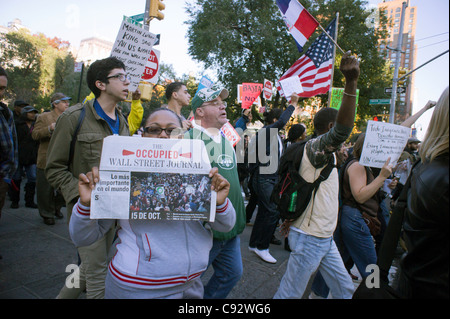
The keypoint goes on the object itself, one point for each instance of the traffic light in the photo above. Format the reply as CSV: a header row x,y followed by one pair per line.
x,y
156,6
378,118
401,73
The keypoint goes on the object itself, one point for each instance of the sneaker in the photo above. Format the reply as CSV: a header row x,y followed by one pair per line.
x,y
265,255
14,205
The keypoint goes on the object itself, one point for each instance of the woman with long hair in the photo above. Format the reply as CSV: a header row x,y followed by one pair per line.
x,y
424,270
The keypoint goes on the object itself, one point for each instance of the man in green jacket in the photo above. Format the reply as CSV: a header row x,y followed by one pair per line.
x,y
225,256
109,82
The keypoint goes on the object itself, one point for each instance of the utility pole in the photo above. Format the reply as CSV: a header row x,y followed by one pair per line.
x,y
397,65
147,15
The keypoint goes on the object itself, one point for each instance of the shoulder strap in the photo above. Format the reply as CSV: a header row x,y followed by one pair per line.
x,y
392,233
75,134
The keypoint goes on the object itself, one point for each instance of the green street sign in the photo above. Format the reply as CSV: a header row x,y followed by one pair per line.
x,y
379,101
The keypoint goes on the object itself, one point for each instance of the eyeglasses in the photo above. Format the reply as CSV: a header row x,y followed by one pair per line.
x,y
156,130
216,104
122,77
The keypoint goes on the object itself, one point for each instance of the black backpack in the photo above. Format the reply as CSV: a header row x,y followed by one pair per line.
x,y
292,193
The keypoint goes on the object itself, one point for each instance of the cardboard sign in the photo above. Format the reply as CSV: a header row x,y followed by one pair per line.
x,y
383,140
133,47
250,92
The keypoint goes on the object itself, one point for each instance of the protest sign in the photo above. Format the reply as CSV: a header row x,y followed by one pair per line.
x,y
268,89
336,97
133,46
383,140
230,134
205,82
250,92
240,94
291,86
153,179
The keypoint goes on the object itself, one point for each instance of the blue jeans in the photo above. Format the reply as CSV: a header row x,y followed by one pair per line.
x,y
267,218
354,241
310,253
225,257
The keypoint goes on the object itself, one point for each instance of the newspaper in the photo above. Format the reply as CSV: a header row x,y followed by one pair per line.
x,y
153,179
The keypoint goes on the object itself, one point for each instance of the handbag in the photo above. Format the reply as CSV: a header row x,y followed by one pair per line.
x,y
387,251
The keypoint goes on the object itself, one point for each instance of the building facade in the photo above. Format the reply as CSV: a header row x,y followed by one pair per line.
x,y
408,53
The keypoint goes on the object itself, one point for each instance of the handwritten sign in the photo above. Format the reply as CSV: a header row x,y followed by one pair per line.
x,y
250,92
336,97
133,47
383,140
291,86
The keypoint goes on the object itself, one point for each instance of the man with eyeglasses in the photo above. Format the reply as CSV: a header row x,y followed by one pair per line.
x,y
225,256
109,82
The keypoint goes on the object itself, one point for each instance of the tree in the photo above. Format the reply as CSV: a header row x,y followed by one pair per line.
x,y
38,67
247,41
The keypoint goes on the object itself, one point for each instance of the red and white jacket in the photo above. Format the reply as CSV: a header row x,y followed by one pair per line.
x,y
154,254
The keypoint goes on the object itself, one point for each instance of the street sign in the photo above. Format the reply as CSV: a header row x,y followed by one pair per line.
x,y
379,101
268,86
138,17
151,72
400,90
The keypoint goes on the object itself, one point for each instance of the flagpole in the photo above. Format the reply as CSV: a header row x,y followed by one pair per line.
x,y
334,58
331,38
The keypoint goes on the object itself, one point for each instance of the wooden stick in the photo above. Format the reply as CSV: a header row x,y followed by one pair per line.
x,y
331,38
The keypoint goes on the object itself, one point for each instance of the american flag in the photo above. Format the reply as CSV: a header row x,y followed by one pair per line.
x,y
315,66
300,23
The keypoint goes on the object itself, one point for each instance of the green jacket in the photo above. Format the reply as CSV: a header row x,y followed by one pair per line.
x,y
87,151
222,156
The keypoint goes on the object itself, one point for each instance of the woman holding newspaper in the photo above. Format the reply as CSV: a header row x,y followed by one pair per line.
x,y
158,258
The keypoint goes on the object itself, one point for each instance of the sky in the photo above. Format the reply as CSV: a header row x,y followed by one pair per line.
x,y
76,20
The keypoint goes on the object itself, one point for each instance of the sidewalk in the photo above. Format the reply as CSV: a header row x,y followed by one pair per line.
x,y
35,257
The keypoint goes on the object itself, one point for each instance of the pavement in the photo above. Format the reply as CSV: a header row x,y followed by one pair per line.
x,y
35,257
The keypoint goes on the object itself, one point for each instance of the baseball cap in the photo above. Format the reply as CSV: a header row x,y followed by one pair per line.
x,y
206,95
20,103
58,97
28,109
414,140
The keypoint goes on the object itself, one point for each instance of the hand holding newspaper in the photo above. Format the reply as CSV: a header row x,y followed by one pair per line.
x,y
153,179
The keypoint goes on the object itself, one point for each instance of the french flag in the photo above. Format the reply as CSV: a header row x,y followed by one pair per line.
x,y
300,23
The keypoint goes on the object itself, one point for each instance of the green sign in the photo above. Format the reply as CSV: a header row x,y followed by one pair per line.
x,y
336,98
379,101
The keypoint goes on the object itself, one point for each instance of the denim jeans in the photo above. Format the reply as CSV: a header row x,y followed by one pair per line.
x,y
309,254
267,218
225,257
354,241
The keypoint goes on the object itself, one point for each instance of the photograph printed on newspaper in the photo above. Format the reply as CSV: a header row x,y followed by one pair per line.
x,y
153,179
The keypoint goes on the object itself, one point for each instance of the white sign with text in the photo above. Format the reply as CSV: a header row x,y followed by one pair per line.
x,y
383,140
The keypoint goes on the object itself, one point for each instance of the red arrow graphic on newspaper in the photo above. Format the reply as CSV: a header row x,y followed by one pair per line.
x,y
187,155
126,152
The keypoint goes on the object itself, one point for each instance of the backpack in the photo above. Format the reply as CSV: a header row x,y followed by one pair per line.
x,y
292,193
